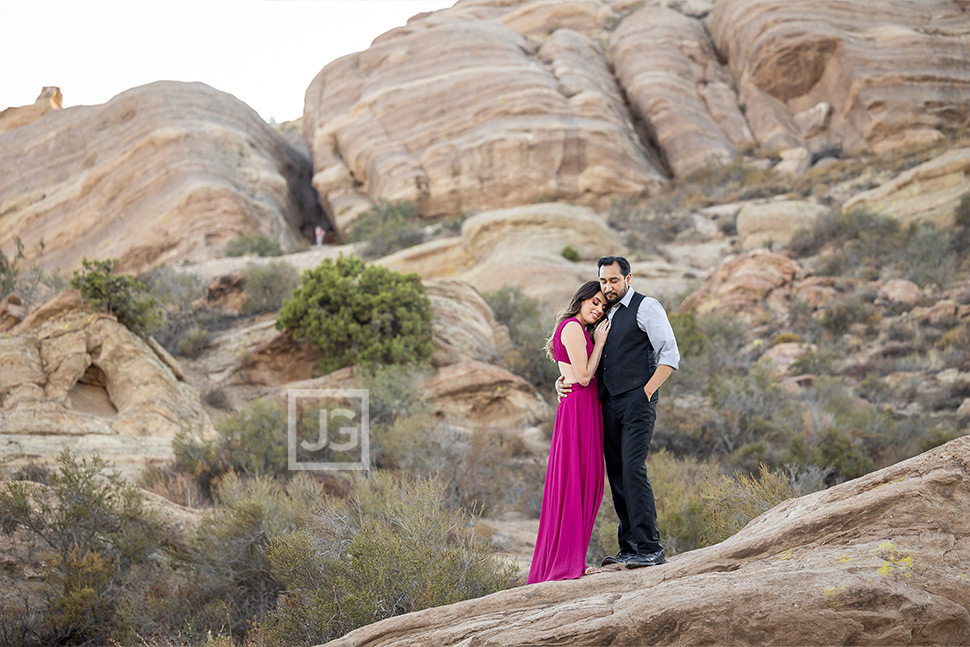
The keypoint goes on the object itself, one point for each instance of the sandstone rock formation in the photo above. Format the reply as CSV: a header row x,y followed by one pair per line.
x,y
465,328
502,103
73,378
162,173
667,64
846,74
49,99
880,560
930,191
751,286
774,222
521,247
469,114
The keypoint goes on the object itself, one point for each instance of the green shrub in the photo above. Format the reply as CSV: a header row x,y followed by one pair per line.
x,y
356,313
232,584
257,244
173,289
96,529
194,341
570,254
251,442
529,325
117,294
682,513
388,227
731,502
392,549
393,391
265,287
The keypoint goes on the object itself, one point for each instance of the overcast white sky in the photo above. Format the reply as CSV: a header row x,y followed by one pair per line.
x,y
265,52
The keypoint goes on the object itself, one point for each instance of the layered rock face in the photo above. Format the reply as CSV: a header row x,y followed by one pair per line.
x,y
160,174
469,114
72,378
521,247
847,74
667,65
493,104
880,560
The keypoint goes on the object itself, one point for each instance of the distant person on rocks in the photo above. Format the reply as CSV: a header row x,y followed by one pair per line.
x,y
637,358
574,476
319,234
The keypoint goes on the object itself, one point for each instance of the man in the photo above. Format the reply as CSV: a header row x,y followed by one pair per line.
x,y
639,355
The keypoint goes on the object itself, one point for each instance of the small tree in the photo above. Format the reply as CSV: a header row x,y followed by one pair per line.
x,y
118,294
360,314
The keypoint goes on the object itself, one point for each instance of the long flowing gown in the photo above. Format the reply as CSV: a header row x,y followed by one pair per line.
x,y
574,480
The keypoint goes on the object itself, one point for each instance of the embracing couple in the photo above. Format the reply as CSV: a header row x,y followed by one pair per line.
x,y
615,347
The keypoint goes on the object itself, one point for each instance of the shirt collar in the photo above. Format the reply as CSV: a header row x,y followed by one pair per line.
x,y
625,301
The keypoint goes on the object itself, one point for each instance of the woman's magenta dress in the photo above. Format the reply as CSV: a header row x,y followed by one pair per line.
x,y
574,479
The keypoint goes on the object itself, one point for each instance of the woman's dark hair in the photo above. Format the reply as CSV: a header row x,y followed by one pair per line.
x,y
609,260
586,291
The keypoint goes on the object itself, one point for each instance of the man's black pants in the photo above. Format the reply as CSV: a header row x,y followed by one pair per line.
x,y
628,420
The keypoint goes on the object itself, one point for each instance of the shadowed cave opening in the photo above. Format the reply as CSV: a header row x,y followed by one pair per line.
x,y
90,394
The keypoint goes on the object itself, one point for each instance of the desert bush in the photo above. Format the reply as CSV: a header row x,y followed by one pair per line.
x,y
176,486
392,549
118,294
173,289
360,314
265,287
785,338
871,246
232,583
257,244
734,501
251,442
749,407
393,391
529,326
812,361
682,513
10,269
96,529
388,227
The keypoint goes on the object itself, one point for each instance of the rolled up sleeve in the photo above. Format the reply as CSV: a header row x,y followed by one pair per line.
x,y
652,319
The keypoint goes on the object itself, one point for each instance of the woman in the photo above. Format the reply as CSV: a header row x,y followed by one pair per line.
x,y
574,477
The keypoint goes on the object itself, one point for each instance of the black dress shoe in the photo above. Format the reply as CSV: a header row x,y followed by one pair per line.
x,y
647,559
621,558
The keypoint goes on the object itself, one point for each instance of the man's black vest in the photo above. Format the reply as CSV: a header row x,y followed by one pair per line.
x,y
628,360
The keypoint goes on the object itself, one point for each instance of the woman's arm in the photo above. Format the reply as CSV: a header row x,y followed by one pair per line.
x,y
575,342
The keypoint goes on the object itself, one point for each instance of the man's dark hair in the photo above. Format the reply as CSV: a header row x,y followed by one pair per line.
x,y
609,260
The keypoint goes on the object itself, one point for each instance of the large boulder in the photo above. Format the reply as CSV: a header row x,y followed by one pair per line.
x,y
456,113
521,247
72,378
161,174
880,560
774,222
850,74
751,286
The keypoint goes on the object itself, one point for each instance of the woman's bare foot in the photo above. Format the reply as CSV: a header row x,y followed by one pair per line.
x,y
592,569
